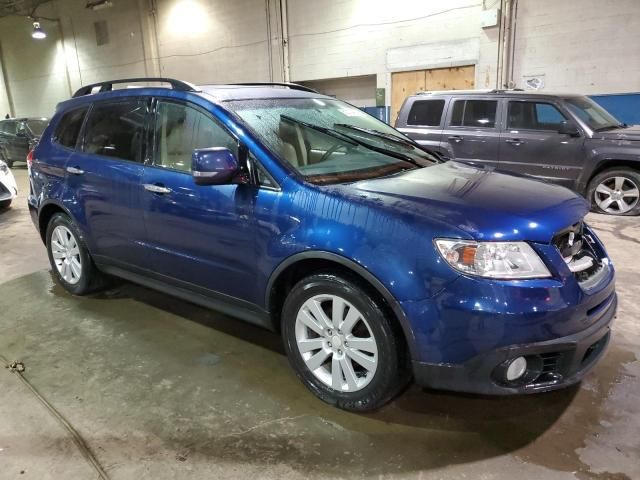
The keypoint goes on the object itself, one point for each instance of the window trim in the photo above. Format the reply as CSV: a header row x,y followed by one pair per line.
x,y
508,129
496,123
78,145
443,114
82,137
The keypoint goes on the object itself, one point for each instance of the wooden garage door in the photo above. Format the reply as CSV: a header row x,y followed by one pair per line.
x,y
404,84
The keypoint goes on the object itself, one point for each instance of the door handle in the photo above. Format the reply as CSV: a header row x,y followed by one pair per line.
x,y
75,171
514,141
455,138
161,189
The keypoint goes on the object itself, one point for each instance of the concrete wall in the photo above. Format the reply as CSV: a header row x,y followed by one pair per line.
x,y
580,45
586,46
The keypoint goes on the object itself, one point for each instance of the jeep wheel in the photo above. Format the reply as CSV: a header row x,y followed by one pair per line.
x,y
341,344
615,192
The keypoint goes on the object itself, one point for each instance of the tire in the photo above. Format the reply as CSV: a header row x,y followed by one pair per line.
x,y
354,387
619,185
77,274
5,204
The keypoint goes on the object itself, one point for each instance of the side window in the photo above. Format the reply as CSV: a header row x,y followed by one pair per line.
x,y
474,113
117,130
9,127
264,179
534,116
180,129
68,128
426,113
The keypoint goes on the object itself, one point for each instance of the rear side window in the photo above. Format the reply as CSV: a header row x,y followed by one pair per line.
x,y
117,130
474,113
534,116
426,113
68,128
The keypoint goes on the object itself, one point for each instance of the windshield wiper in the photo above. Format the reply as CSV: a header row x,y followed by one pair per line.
x,y
377,133
352,140
611,127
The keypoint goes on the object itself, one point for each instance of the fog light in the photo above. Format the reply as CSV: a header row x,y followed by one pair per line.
x,y
516,369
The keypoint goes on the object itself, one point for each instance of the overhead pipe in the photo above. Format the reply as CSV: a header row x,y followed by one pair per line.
x,y
285,40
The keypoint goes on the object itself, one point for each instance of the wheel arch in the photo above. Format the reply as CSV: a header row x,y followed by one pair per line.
x,y
608,163
46,212
304,264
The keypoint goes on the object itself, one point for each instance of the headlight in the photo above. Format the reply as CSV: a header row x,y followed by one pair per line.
x,y
4,169
500,260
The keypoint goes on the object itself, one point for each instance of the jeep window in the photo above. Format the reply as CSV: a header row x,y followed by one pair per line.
x,y
117,130
180,129
426,113
68,128
474,113
329,141
36,126
596,117
534,116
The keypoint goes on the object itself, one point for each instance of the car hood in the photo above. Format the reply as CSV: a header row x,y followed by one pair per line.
x,y
631,133
479,202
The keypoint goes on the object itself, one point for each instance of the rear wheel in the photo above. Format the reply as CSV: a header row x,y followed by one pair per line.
x,y
615,192
70,260
342,345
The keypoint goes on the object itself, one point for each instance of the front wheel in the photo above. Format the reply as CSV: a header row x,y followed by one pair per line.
x,y
615,192
342,345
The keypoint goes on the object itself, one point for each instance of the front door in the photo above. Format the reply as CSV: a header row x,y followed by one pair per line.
x,y
532,145
103,179
199,235
471,131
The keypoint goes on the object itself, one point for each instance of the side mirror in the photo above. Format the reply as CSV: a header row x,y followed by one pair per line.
x,y
214,166
569,128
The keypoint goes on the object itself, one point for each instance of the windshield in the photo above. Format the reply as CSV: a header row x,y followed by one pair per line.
x,y
329,141
37,126
596,117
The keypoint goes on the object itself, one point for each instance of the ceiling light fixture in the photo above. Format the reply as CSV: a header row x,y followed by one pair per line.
x,y
38,33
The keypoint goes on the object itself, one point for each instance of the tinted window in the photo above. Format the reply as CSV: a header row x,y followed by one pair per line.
x,y
534,116
426,112
68,129
474,113
37,126
116,130
180,129
8,127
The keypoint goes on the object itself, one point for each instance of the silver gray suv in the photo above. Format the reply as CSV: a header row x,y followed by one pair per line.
x,y
565,139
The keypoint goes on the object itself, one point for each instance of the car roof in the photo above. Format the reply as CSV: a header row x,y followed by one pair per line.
x,y
256,92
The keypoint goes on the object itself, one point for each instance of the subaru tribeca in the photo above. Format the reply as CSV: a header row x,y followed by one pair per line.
x,y
377,262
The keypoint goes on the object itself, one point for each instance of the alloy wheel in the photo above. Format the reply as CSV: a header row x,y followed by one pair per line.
x,y
617,195
336,343
66,254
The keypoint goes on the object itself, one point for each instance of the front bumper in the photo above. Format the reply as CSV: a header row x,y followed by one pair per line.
x,y
552,364
8,187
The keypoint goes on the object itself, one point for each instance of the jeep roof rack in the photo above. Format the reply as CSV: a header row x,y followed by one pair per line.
x,y
292,86
108,85
478,92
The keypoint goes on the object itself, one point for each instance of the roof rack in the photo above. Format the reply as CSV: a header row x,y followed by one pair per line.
x,y
479,91
292,86
108,85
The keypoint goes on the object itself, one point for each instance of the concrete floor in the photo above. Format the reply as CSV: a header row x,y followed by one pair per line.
x,y
159,388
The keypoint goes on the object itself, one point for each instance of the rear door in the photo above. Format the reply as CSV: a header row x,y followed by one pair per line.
x,y
422,120
530,143
104,179
472,130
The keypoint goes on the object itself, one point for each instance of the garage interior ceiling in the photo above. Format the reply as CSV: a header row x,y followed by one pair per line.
x,y
19,7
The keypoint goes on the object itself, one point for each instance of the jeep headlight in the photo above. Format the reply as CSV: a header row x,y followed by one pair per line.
x,y
499,260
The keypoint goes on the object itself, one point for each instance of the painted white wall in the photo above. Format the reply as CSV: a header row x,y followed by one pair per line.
x,y
585,46
581,45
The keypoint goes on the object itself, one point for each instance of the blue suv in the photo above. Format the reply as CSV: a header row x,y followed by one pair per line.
x,y
378,262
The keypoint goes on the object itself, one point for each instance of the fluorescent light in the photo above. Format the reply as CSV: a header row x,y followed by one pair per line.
x,y
38,33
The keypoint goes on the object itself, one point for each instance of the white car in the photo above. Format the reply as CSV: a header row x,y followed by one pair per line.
x,y
8,187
